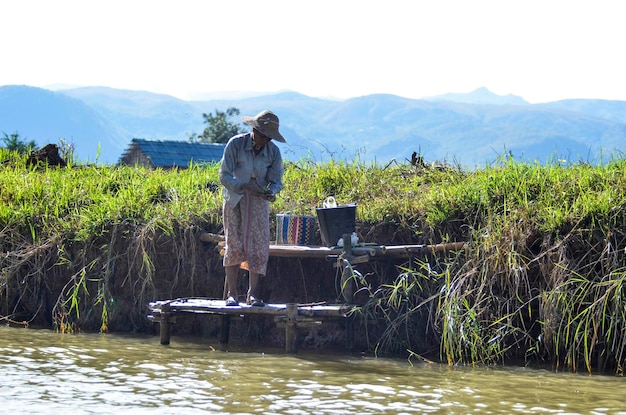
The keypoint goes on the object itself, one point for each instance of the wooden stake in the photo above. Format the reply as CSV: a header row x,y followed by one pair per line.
x,y
291,329
225,329
350,333
164,324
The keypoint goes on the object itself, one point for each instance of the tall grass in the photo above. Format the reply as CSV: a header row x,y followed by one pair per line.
x,y
82,224
540,280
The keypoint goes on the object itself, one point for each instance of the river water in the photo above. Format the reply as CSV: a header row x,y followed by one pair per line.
x,y
43,372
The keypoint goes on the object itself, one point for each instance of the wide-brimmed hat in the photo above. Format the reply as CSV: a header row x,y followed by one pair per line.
x,y
267,123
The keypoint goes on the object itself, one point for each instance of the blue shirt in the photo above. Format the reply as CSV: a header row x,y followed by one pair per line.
x,y
239,164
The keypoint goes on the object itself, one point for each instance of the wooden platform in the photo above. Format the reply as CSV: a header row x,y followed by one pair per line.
x,y
291,315
370,250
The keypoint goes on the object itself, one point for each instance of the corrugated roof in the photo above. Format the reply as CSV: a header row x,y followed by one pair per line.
x,y
177,153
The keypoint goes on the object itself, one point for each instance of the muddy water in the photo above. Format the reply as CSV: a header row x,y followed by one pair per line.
x,y
42,372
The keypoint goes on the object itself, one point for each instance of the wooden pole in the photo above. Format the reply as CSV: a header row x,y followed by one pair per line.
x,y
225,329
350,333
291,330
164,324
347,244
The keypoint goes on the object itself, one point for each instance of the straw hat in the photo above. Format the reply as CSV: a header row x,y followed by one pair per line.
x,y
267,123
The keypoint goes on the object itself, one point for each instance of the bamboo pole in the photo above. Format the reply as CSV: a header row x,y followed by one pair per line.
x,y
396,251
407,250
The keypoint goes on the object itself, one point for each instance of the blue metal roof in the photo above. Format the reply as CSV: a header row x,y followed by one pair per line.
x,y
176,153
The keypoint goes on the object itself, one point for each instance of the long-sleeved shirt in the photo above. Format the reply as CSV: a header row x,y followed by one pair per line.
x,y
239,164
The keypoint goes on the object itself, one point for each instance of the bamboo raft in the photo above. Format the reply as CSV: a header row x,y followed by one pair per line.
x,y
290,315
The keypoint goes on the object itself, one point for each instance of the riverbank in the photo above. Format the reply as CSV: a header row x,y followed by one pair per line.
x,y
540,278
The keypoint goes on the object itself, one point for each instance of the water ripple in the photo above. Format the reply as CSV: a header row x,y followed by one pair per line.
x,y
47,373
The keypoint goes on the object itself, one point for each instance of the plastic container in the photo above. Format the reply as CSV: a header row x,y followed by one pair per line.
x,y
335,221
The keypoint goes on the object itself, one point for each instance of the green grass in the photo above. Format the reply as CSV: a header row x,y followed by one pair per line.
x,y
85,200
541,278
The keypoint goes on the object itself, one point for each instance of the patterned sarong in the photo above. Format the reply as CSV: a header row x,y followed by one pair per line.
x,y
247,232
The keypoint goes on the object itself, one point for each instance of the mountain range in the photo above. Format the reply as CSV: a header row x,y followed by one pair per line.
x,y
470,130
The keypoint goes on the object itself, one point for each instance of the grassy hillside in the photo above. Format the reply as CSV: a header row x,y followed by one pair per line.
x,y
541,278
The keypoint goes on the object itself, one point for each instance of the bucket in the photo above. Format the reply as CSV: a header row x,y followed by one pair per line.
x,y
335,221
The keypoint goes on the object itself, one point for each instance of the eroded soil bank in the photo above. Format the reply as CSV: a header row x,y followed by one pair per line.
x,y
106,284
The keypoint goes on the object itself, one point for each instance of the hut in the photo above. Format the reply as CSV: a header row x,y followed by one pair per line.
x,y
170,154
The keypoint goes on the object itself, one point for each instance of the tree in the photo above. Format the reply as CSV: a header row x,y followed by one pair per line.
x,y
13,142
219,129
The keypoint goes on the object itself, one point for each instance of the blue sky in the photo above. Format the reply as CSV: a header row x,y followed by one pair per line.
x,y
541,50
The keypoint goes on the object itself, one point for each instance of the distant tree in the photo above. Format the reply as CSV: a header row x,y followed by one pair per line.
x,y
13,142
218,127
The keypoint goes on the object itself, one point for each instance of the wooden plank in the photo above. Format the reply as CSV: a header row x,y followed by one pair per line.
x,y
213,306
340,310
301,324
314,251
353,260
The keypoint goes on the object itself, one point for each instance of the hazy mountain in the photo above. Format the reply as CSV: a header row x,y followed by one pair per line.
x,y
480,96
141,114
609,110
469,129
47,117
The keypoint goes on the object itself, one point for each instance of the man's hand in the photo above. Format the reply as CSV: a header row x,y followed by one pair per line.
x,y
258,192
253,189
